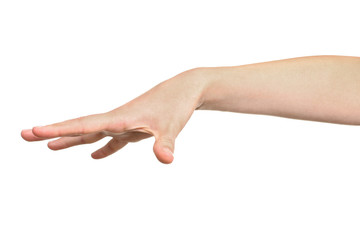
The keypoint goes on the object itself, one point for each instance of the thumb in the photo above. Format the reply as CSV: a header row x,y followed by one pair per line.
x,y
164,148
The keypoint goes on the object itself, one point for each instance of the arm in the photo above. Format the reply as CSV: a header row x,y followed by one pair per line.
x,y
319,88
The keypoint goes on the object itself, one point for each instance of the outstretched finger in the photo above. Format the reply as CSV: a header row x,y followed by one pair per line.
x,y
28,135
66,142
78,126
111,147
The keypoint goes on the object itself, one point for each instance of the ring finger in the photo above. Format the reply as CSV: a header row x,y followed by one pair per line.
x,y
66,142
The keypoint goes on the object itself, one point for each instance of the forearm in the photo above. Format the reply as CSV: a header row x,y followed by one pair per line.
x,y
318,88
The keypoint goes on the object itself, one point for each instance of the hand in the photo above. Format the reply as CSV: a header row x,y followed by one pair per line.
x,y
161,112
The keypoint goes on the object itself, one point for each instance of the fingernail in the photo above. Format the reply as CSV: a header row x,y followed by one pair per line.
x,y
169,151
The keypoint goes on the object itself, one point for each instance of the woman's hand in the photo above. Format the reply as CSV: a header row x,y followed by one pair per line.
x,y
161,112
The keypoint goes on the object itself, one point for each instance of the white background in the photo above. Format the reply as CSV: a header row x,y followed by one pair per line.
x,y
235,176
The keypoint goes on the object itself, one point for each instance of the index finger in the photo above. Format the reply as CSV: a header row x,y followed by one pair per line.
x,y
78,126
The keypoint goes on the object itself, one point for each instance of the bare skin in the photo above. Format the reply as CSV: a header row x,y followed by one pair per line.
x,y
316,88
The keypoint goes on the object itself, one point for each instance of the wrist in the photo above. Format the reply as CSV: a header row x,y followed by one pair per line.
x,y
222,87
204,78
195,82
208,79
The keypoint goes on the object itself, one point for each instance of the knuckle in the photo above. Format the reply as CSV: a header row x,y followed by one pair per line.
x,y
167,141
83,140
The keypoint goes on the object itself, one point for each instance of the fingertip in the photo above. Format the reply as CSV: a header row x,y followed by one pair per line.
x,y
44,132
36,131
52,146
164,155
95,156
27,135
23,134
